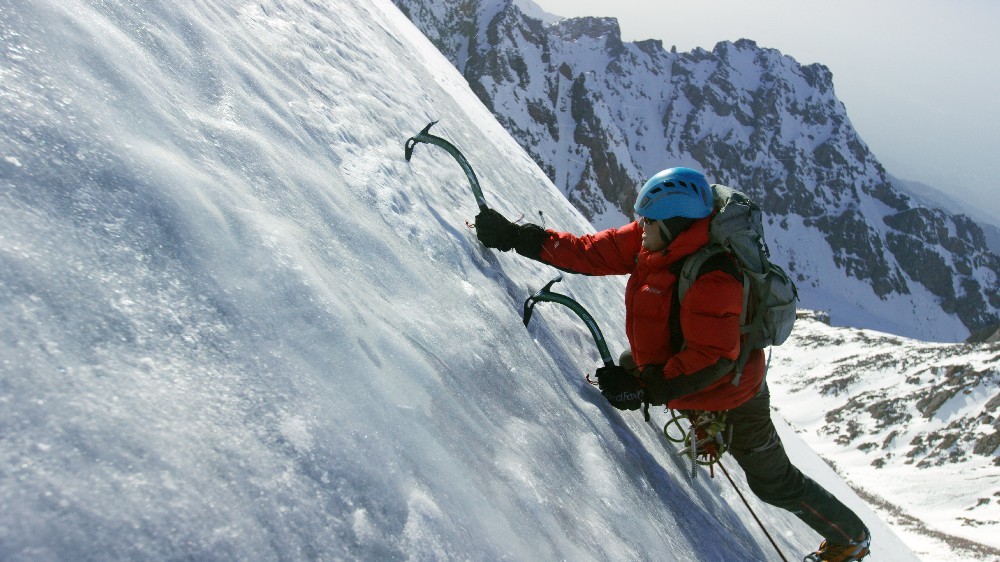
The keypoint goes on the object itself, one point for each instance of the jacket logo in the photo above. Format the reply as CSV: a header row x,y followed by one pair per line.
x,y
653,290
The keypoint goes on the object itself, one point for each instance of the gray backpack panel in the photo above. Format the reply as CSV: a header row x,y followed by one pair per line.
x,y
769,295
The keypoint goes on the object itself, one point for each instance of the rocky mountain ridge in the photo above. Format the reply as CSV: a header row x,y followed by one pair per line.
x,y
600,115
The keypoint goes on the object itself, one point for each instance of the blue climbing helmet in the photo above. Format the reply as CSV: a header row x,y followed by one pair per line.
x,y
675,192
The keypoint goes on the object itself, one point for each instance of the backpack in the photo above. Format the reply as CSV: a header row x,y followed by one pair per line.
x,y
736,234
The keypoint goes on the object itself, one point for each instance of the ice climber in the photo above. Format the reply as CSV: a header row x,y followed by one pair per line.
x,y
674,209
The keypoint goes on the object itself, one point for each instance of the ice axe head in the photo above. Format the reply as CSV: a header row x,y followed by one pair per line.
x,y
419,137
529,303
529,307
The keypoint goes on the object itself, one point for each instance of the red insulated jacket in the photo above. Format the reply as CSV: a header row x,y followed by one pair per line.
x,y
709,315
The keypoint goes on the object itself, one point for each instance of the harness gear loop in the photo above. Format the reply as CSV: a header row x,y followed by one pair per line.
x,y
705,440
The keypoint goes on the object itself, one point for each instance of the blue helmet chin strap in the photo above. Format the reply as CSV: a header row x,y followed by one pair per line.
x,y
667,236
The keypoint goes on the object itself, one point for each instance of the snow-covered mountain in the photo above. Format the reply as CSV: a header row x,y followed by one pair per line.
x,y
236,325
601,115
915,426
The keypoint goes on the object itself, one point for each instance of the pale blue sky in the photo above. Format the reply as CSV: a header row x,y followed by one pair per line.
x,y
919,77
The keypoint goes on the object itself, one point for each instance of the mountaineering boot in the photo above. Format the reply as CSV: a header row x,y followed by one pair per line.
x,y
830,552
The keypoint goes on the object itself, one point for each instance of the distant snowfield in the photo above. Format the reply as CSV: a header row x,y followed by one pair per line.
x,y
919,486
235,324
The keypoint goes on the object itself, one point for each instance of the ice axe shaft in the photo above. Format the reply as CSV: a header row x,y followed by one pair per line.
x,y
425,136
546,295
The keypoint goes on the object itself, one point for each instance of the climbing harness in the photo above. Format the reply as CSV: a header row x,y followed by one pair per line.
x,y
705,440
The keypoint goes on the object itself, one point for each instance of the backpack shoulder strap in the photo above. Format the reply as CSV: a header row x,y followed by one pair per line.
x,y
712,257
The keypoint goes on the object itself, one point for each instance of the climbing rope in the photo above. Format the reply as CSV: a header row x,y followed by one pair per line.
x,y
705,441
757,519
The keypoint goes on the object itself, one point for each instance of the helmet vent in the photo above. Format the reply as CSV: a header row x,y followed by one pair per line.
x,y
675,192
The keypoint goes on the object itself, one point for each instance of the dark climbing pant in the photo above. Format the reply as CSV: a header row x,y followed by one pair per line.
x,y
772,477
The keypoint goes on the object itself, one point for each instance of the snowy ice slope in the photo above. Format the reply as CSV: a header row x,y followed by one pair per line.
x,y
913,424
236,325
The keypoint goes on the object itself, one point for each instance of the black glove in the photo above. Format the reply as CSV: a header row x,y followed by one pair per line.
x,y
620,387
658,389
495,231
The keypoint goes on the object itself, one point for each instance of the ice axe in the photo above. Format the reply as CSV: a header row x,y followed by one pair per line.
x,y
545,295
425,136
